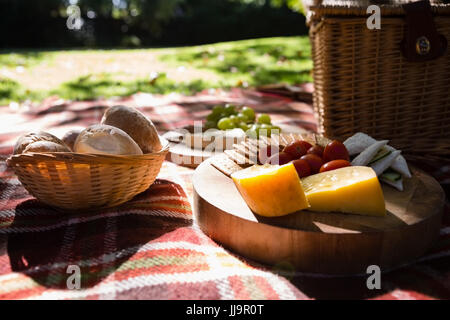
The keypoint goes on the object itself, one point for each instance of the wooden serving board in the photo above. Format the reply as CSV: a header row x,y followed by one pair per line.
x,y
182,154
325,243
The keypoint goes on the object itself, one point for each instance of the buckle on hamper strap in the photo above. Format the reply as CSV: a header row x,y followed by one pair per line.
x,y
422,41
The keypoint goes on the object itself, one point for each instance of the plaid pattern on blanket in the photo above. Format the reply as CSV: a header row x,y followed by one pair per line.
x,y
149,248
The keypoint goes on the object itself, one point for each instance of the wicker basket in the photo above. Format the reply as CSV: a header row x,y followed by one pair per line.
x,y
364,81
86,181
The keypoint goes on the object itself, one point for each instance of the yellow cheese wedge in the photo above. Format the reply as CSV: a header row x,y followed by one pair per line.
x,y
271,190
349,190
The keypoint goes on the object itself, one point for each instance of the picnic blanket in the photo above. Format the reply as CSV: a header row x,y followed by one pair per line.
x,y
150,247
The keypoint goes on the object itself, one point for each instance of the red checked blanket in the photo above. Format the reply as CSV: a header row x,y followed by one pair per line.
x,y
149,248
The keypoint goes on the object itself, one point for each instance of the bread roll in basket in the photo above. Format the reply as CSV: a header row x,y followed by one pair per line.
x,y
74,181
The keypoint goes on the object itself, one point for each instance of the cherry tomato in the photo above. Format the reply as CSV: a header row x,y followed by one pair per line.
x,y
302,167
266,152
335,150
280,158
314,161
334,164
317,150
297,148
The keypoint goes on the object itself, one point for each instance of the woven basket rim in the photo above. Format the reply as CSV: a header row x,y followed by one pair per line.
x,y
386,9
85,158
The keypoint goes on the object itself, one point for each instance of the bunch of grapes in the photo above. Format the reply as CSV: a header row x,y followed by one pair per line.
x,y
230,117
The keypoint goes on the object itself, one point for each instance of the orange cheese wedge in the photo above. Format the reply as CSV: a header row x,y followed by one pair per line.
x,y
271,190
349,190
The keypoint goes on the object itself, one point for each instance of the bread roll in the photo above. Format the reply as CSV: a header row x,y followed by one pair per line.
x,y
32,137
104,139
70,137
136,124
46,146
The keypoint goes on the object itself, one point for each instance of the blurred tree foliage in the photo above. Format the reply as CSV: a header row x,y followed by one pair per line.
x,y
112,23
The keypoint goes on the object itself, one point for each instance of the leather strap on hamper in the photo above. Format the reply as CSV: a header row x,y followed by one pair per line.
x,y
422,41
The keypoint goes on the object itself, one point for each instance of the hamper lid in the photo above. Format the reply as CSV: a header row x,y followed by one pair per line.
x,y
359,7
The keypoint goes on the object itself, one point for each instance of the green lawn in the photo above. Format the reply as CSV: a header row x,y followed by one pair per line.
x,y
257,61
89,74
22,58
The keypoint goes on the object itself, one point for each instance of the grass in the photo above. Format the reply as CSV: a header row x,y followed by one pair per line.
x,y
22,58
104,85
90,74
11,91
257,61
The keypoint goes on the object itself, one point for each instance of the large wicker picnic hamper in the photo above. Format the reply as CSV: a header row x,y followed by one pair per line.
x,y
363,81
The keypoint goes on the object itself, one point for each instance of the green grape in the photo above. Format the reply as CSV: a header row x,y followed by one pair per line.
x,y
255,128
234,119
252,133
225,123
265,130
218,110
213,117
210,124
276,129
222,115
243,118
230,110
249,113
244,126
264,118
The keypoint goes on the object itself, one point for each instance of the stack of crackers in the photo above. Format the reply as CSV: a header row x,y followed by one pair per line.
x,y
245,153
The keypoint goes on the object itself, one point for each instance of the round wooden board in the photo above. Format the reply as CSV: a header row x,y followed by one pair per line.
x,y
325,243
181,154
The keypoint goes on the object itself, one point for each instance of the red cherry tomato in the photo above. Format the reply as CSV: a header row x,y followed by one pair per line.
x,y
335,150
280,158
334,164
297,148
302,167
317,150
266,152
314,161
